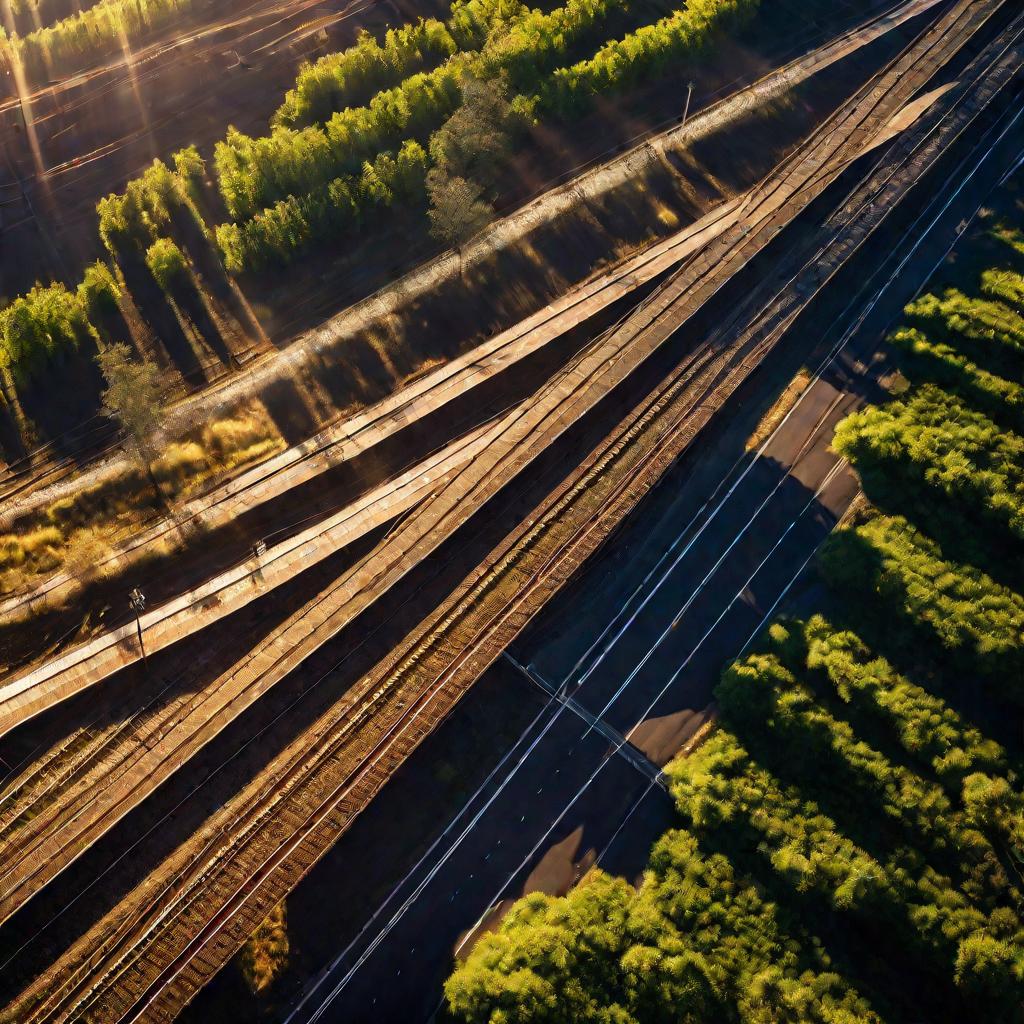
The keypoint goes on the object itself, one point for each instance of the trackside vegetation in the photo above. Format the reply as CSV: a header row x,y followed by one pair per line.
x,y
851,834
306,181
411,131
265,953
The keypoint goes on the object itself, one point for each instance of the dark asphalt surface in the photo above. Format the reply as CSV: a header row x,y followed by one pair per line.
x,y
565,802
640,640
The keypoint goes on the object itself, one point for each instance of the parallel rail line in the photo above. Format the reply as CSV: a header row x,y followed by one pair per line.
x,y
146,943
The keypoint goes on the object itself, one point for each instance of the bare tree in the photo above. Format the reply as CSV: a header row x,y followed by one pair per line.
x,y
132,397
457,211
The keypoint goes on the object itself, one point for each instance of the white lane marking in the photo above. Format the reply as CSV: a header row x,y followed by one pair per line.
x,y
606,761
667,631
824,365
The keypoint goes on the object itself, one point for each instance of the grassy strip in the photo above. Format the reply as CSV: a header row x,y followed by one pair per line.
x,y
51,538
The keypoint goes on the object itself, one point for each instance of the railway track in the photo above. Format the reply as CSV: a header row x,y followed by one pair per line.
x,y
661,138
366,436
145,961
134,761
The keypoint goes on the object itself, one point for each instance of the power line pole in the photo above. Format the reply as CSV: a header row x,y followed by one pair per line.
x,y
137,603
686,109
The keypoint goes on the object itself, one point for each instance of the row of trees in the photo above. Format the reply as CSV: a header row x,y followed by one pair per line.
x,y
152,203
762,694
29,15
685,948
351,77
924,725
948,366
46,333
936,869
973,619
642,55
931,444
293,225
856,797
253,173
976,769
455,174
99,31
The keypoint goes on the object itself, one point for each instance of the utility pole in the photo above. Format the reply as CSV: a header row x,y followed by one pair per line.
x,y
137,603
686,109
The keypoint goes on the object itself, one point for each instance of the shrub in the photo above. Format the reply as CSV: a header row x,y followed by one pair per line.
x,y
41,328
99,291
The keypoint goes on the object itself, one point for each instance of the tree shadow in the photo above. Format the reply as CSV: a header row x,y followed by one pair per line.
x,y
75,373
287,408
190,301
155,308
967,678
212,273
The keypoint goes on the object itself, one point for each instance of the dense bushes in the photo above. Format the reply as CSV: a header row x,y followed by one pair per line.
x,y
1004,284
765,696
895,568
931,442
943,363
991,331
943,916
695,943
265,953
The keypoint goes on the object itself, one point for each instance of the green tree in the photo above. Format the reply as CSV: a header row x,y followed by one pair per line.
x,y
167,264
99,291
476,141
40,329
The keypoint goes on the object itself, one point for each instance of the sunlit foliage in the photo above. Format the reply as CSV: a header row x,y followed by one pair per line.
x,y
40,329
96,32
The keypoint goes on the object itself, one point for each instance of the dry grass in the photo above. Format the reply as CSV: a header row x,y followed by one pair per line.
x,y
265,953
777,413
70,531
85,555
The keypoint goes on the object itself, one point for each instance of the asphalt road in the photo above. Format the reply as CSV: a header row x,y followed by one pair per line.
x,y
721,546
561,799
